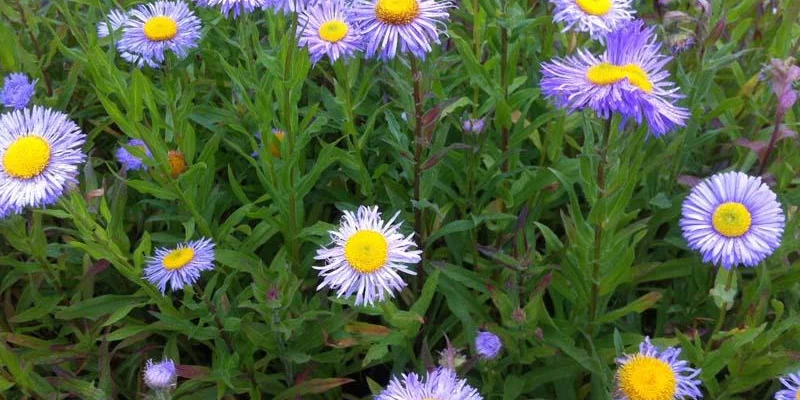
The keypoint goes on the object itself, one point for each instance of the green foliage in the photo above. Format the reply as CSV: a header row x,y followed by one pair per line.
x,y
571,269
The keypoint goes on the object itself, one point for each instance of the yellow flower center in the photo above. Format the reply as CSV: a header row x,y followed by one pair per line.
x,y
731,219
797,395
594,7
27,157
397,12
160,28
607,74
647,378
333,31
177,163
366,251
178,258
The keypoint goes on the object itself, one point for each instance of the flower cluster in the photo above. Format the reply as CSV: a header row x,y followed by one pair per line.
x,y
333,28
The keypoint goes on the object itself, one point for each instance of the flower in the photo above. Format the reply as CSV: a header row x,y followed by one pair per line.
x,y
441,383
792,384
628,78
160,376
17,90
366,256
597,17
152,29
473,125
177,163
237,6
782,77
410,25
130,161
732,219
274,148
116,18
488,344
327,30
652,374
40,150
290,6
180,266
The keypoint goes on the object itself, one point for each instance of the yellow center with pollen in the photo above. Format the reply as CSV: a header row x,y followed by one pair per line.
x,y
397,12
27,157
797,395
731,219
647,378
366,251
160,28
594,7
333,31
178,258
607,74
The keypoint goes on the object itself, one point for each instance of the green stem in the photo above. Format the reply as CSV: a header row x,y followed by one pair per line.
x,y
598,231
723,312
418,147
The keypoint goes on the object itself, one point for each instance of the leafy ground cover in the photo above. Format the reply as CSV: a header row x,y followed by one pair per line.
x,y
556,230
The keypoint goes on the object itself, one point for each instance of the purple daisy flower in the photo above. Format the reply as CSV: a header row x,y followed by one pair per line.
x,y
473,125
628,78
237,6
597,17
652,374
180,266
792,384
130,161
290,6
152,29
488,344
410,25
327,30
366,257
17,90
116,18
161,375
441,383
732,218
40,150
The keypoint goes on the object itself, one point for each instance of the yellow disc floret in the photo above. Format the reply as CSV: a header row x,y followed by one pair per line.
x,y
178,258
366,251
27,157
397,12
647,378
607,74
333,31
160,28
594,7
731,219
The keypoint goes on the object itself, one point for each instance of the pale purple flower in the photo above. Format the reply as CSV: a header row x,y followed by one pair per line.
x,y
390,27
153,29
326,30
488,344
18,90
597,18
180,266
791,384
629,78
666,373
161,375
40,151
731,219
238,7
129,161
366,257
116,18
441,383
